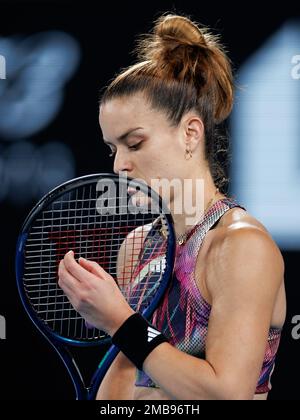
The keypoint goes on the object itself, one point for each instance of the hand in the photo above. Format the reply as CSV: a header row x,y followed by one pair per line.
x,y
93,293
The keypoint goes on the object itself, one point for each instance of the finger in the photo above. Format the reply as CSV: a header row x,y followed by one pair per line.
x,y
69,293
92,267
66,281
75,269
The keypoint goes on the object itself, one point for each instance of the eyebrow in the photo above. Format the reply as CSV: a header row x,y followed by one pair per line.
x,y
125,135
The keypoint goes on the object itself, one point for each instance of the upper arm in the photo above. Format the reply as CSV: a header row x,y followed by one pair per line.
x,y
245,271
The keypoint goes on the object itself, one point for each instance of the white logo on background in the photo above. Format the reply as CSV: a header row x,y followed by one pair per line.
x,y
296,68
2,67
2,328
296,329
152,333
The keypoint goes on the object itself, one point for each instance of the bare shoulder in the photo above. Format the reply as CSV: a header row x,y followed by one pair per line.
x,y
242,251
240,229
238,217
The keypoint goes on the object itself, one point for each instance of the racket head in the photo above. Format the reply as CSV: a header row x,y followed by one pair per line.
x,y
55,225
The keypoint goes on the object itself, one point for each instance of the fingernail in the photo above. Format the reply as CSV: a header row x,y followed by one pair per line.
x,y
71,252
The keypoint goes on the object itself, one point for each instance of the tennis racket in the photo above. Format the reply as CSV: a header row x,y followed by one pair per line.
x,y
118,222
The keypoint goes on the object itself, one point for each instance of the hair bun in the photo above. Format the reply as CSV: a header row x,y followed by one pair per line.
x,y
180,29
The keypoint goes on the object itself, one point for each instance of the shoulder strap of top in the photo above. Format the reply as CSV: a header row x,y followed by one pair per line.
x,y
210,219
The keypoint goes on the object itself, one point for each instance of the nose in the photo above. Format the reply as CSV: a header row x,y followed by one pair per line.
x,y
122,163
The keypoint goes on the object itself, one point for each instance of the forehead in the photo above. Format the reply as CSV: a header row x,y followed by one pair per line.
x,y
126,105
120,114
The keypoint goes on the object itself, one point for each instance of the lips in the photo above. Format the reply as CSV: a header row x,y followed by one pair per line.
x,y
131,191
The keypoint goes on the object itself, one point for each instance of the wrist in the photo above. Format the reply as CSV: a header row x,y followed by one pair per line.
x,y
120,321
137,338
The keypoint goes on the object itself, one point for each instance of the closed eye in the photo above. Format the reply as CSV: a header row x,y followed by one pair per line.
x,y
135,146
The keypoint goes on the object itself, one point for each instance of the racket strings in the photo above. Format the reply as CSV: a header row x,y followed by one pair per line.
x,y
124,244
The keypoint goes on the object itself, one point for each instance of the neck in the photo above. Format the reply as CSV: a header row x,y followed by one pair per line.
x,y
201,197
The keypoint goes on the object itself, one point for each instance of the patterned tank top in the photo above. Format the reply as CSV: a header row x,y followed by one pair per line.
x,y
183,314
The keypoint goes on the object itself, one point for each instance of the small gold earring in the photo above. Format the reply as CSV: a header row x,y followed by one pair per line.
x,y
188,153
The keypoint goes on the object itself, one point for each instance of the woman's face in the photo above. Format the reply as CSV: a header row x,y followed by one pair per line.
x,y
147,147
141,140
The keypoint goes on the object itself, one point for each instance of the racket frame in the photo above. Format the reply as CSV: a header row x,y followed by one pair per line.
x,y
56,341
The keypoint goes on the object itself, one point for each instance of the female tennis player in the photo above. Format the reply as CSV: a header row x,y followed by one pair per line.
x,y
216,332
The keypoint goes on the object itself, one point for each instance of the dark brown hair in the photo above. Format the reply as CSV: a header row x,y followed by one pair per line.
x,y
183,67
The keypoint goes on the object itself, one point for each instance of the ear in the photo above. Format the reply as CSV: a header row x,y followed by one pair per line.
x,y
193,131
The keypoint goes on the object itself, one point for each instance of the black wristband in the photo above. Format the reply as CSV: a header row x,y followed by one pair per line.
x,y
136,338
